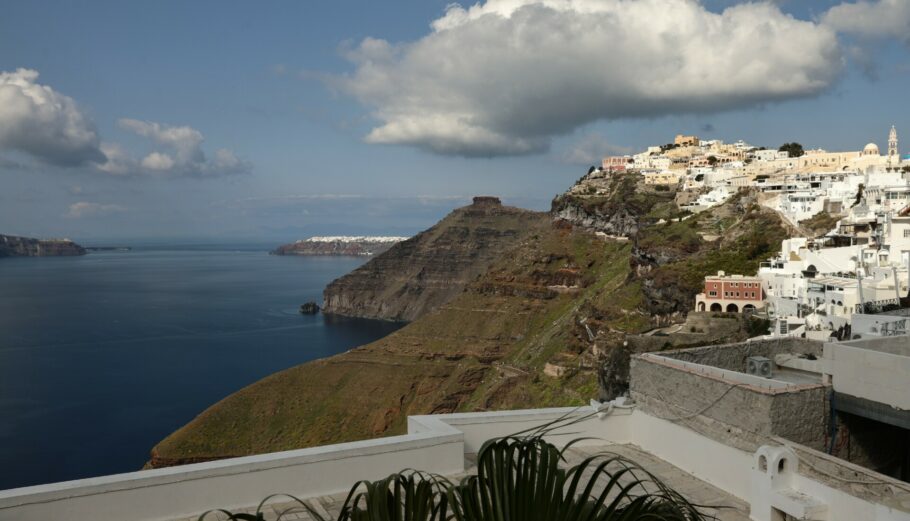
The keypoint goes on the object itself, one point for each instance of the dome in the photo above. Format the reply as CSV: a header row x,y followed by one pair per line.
x,y
870,150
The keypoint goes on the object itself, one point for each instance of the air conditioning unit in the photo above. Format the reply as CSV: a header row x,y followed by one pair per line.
x,y
759,366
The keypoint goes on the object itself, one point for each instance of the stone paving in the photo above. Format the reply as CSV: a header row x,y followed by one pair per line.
x,y
717,502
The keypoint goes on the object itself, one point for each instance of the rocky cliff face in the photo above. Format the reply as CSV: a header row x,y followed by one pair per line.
x,y
420,274
616,204
11,246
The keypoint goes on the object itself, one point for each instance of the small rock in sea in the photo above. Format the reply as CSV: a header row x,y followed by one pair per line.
x,y
310,308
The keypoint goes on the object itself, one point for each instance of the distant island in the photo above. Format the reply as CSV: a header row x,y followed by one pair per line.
x,y
339,245
12,246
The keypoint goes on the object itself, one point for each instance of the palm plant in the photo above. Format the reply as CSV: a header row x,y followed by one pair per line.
x,y
521,477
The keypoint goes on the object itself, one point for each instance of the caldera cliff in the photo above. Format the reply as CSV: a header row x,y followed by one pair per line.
x,y
549,321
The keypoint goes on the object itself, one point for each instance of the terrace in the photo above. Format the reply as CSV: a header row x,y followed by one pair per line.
x,y
779,477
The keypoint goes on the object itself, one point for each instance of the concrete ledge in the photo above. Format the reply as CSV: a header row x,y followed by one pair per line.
x,y
435,444
231,483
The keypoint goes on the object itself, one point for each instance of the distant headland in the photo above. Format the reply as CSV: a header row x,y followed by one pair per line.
x,y
339,245
12,246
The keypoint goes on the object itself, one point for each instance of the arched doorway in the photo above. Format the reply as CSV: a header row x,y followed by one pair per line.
x,y
748,308
701,306
716,307
732,308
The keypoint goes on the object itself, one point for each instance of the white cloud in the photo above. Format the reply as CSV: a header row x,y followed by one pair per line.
x,y
505,76
39,121
184,155
876,19
157,161
118,161
590,150
87,209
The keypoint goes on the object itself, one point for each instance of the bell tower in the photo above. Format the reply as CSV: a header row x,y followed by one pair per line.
x,y
893,156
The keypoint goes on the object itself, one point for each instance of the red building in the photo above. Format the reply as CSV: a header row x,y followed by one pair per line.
x,y
730,293
616,163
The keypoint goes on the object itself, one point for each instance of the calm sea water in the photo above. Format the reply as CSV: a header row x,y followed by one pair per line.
x,y
104,355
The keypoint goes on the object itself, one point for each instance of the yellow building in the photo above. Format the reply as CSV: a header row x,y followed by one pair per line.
x,y
686,141
663,178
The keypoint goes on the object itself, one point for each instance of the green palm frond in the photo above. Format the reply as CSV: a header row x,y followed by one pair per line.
x,y
521,477
406,496
297,505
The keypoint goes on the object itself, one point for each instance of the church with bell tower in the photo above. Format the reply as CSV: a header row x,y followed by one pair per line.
x,y
893,155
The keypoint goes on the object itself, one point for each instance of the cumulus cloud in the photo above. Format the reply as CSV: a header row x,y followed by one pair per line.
x,y
875,19
39,121
590,150
183,154
504,76
87,209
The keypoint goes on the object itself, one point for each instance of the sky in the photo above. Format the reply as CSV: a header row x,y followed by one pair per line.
x,y
273,121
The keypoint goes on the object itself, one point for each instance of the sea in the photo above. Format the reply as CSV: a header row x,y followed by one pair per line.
x,y
104,355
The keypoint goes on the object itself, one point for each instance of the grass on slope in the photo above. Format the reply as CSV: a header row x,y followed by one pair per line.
x,y
445,361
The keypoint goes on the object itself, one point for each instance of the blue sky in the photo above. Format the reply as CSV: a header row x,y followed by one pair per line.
x,y
315,139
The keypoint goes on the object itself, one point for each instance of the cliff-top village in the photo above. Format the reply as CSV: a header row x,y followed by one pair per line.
x,y
846,282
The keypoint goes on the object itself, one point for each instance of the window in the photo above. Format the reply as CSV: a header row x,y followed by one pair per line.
x,y
907,233
712,293
737,294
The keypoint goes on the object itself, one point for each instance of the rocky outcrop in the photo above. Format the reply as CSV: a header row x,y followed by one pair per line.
x,y
615,204
12,246
425,271
348,246
621,223
309,308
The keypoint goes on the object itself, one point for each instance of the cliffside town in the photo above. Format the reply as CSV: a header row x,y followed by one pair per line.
x,y
12,246
843,268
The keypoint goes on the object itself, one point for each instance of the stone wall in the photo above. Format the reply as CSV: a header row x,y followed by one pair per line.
x,y
733,356
729,410
801,416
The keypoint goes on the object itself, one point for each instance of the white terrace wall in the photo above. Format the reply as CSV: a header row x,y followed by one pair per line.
x,y
432,445
438,444
183,491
